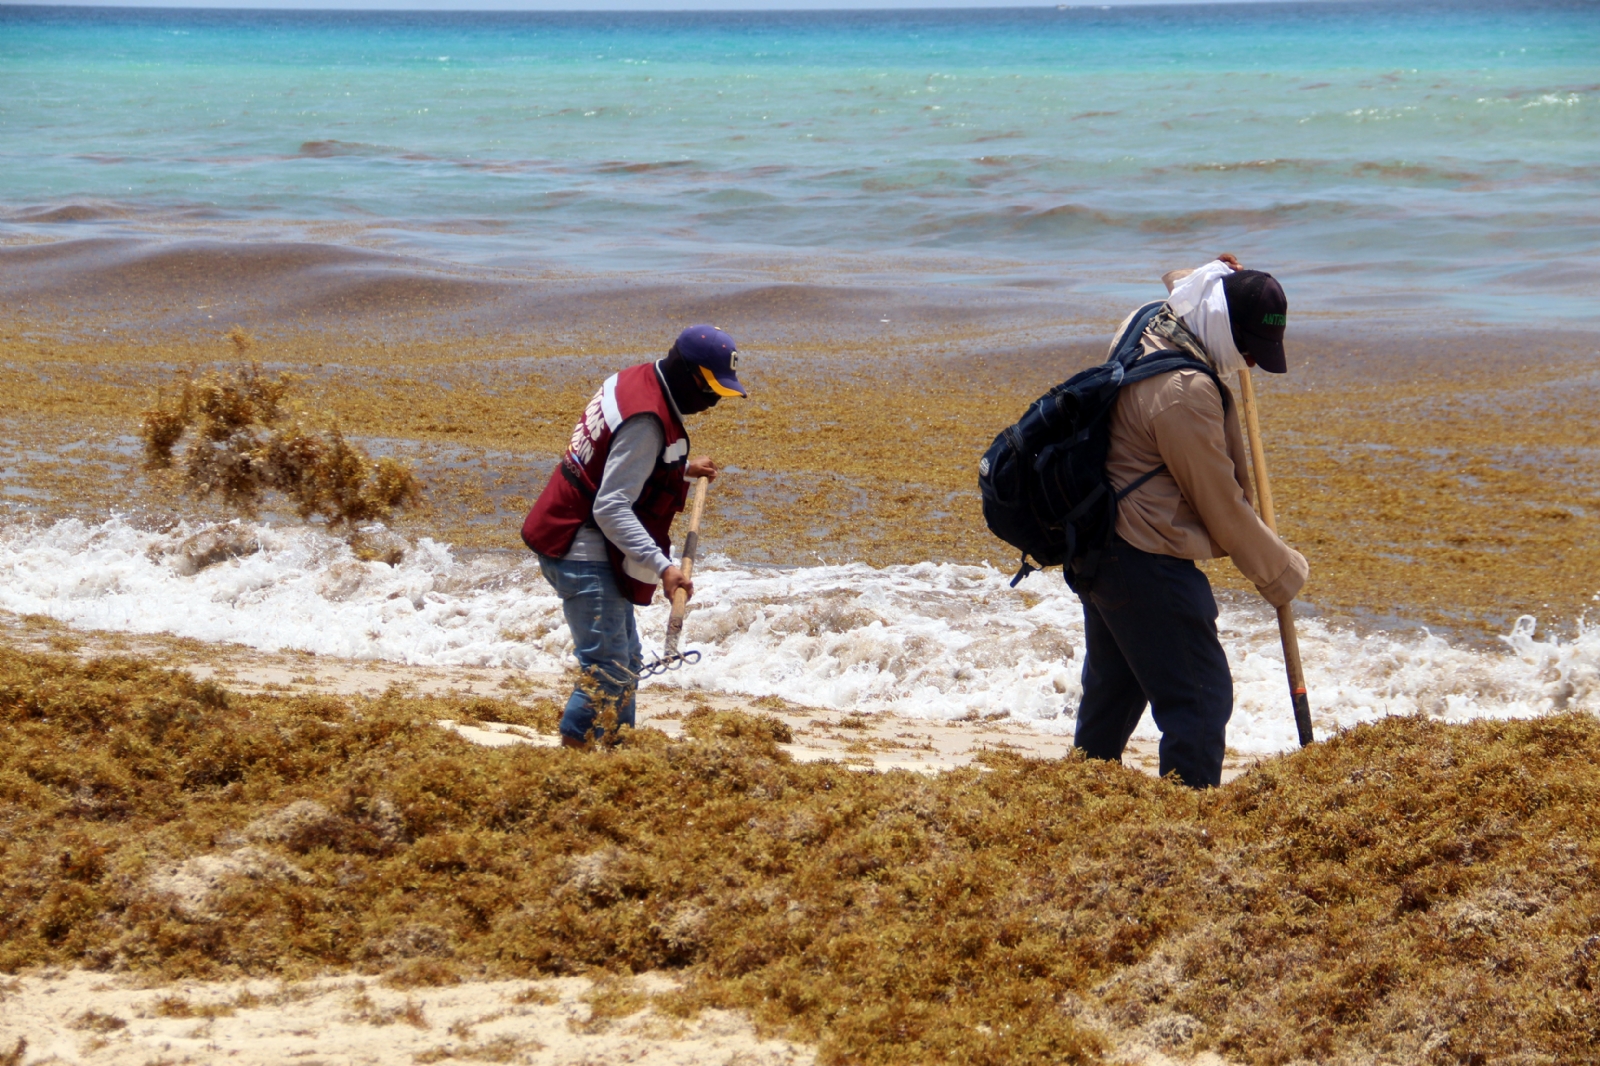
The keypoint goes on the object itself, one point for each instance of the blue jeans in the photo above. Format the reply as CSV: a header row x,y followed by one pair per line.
x,y
605,640
1150,626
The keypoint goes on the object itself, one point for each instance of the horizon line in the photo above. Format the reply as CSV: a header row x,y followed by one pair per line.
x,y
662,6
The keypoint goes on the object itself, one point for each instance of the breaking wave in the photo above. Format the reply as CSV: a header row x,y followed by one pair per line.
x,y
927,640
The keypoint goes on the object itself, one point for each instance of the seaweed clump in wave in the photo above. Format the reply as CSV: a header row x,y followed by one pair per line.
x,y
1409,891
250,438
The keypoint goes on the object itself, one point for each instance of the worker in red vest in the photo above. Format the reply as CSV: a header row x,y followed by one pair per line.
x,y
602,524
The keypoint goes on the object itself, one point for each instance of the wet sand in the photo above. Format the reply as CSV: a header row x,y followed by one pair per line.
x,y
1444,478
366,293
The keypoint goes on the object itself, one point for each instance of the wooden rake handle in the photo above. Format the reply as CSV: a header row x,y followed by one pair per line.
x,y
1291,642
680,599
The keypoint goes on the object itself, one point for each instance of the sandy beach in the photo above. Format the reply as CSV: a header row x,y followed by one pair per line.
x,y
106,1021
92,1018
870,399
280,780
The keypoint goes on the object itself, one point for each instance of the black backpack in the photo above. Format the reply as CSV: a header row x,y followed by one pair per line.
x,y
1043,480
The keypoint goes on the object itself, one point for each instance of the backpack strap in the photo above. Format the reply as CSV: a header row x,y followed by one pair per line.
x,y
1165,362
1140,481
1091,561
1023,570
1127,365
1152,365
1126,343
1100,490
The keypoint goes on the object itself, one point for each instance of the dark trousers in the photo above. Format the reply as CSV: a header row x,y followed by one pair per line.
x,y
1150,623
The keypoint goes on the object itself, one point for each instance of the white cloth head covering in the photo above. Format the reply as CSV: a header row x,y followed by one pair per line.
x,y
1198,301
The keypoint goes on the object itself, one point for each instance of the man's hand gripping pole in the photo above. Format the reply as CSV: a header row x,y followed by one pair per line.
x,y
671,657
1291,642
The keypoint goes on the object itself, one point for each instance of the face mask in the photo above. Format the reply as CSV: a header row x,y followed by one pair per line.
x,y
1200,303
688,386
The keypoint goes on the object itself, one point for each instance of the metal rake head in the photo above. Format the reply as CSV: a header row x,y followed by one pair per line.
x,y
675,661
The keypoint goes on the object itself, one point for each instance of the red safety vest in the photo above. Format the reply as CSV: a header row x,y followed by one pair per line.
x,y
567,502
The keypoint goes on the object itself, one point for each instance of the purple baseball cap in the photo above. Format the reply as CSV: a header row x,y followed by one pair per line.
x,y
712,350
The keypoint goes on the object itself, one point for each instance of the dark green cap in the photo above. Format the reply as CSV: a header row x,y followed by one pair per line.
x,y
1258,311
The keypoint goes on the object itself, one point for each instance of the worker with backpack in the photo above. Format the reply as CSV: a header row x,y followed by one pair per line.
x,y
1126,474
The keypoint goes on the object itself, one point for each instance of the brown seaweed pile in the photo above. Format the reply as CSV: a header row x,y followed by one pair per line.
x,y
1409,891
249,438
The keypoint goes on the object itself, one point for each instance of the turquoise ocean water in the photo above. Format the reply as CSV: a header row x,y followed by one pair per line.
x,y
1427,158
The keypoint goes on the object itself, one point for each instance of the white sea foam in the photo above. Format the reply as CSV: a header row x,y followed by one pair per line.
x,y
927,640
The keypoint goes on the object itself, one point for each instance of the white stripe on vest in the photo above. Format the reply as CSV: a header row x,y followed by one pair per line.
x,y
608,403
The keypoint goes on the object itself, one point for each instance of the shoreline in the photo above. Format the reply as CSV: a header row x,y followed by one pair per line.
x,y
872,741
942,645
860,439
1468,513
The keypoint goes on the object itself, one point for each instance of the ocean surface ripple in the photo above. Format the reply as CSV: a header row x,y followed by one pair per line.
x,y
1421,157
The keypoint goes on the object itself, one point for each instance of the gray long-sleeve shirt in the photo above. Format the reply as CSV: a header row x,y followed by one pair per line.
x,y
634,450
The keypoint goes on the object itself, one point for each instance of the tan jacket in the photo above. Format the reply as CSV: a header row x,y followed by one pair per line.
x,y
1200,507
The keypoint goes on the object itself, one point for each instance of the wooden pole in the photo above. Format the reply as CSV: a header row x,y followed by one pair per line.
x,y
680,599
1291,642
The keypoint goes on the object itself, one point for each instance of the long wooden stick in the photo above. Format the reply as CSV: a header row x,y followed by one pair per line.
x,y
1291,642
680,599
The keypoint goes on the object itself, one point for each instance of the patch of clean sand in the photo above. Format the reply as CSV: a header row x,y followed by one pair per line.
x,y
106,1020
82,1017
